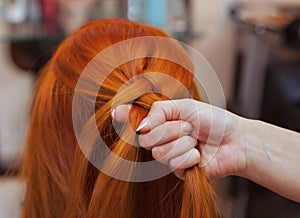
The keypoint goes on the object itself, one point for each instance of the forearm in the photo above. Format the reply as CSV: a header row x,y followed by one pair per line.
x,y
272,158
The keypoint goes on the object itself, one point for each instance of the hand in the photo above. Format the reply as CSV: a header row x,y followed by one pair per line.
x,y
172,129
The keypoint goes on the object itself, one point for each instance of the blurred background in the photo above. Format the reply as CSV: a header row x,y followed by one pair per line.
x,y
253,46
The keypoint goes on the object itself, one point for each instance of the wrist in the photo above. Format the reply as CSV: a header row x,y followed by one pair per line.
x,y
251,144
246,143
237,130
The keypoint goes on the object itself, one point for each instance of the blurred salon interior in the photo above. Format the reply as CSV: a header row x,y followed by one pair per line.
x,y
253,47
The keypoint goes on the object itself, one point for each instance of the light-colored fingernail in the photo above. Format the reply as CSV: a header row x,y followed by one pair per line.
x,y
143,124
186,126
113,113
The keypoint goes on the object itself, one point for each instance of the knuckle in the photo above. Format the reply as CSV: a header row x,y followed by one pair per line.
x,y
156,153
156,104
171,129
189,140
142,141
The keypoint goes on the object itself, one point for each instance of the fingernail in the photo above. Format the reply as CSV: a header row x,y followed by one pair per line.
x,y
113,113
186,126
142,125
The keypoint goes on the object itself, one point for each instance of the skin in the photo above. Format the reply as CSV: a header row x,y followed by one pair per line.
x,y
261,152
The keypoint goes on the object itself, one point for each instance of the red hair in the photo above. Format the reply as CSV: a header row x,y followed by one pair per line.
x,y
60,180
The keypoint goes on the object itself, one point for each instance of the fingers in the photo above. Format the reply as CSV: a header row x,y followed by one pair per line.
x,y
157,113
172,145
184,161
173,149
167,132
172,127
150,123
162,111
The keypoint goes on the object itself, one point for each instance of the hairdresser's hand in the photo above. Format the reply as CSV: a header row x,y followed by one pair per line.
x,y
172,127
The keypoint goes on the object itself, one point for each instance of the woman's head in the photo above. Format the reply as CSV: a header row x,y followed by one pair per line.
x,y
98,67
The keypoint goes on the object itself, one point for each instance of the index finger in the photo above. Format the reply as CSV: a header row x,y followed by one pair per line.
x,y
162,111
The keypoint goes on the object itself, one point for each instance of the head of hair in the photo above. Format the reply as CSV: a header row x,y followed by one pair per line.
x,y
60,180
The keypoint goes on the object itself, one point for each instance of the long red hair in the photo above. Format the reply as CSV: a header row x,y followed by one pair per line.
x,y
60,180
